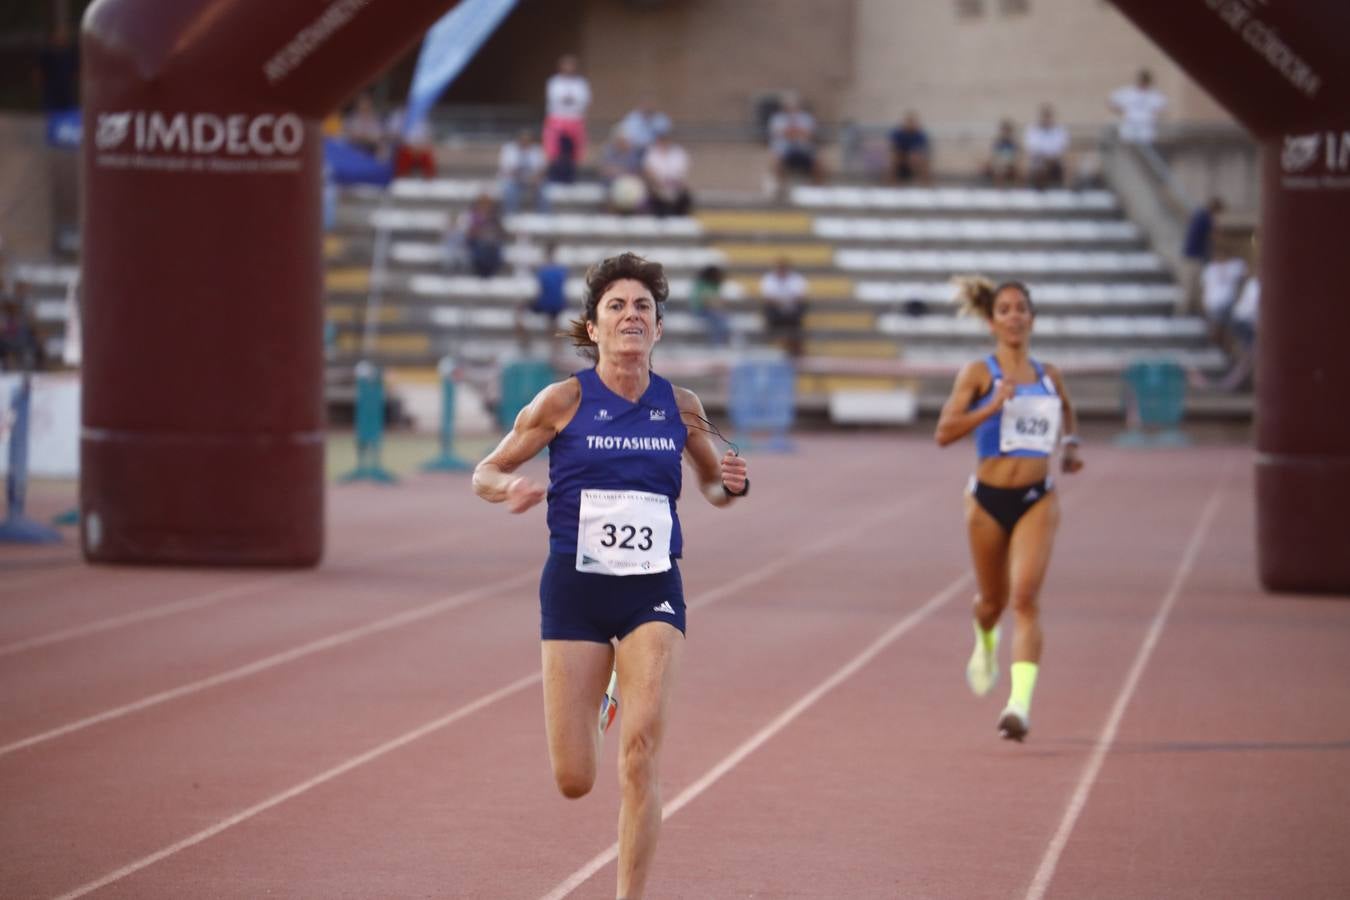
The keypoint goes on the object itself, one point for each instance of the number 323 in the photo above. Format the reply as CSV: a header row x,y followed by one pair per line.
x,y
611,537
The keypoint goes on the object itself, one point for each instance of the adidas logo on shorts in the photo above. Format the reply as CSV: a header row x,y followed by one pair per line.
x,y
665,607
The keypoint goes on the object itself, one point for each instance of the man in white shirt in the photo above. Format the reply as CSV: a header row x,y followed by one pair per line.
x,y
1045,143
1138,105
666,170
792,138
520,168
568,96
783,290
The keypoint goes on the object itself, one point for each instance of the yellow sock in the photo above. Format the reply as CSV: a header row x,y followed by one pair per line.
x,y
1023,683
988,639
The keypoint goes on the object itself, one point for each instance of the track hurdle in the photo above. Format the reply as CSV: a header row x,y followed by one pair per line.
x,y
446,460
369,426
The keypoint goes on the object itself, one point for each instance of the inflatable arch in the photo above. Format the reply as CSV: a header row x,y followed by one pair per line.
x,y
202,432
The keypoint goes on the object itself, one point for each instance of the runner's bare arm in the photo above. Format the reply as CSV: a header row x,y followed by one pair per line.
x,y
718,479
958,419
536,425
1071,462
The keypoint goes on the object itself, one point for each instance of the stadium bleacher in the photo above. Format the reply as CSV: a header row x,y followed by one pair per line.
x,y
878,261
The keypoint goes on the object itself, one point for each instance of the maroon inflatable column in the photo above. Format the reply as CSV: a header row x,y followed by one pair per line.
x,y
1283,71
202,269
1303,438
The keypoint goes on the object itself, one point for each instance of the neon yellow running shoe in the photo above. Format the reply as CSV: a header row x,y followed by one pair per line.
x,y
982,670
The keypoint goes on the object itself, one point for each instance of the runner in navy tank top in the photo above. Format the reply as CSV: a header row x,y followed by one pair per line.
x,y
1017,408
611,602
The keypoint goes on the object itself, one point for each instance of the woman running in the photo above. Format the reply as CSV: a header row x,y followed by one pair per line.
x,y
1016,407
610,594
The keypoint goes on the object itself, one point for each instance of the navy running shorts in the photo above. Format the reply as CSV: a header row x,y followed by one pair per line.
x,y
585,606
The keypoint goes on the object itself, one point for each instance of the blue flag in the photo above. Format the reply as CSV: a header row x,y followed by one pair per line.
x,y
447,49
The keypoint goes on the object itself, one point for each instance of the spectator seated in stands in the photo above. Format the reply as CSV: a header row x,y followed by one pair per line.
x,y
1001,170
414,149
1242,327
550,297
783,290
641,126
521,166
362,128
621,168
477,238
911,154
665,169
1220,283
1047,145
619,157
705,301
792,139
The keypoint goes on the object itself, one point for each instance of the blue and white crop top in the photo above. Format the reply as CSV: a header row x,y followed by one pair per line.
x,y
987,433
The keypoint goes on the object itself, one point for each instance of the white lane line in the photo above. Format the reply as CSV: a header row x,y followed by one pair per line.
x,y
277,799
809,699
1046,872
397,620
211,598
813,549
704,599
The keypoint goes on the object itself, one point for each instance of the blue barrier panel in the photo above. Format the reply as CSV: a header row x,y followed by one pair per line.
x,y
520,382
447,461
1154,395
369,426
18,528
762,397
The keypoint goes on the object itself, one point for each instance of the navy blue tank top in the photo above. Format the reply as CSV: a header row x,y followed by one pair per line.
x,y
987,432
612,444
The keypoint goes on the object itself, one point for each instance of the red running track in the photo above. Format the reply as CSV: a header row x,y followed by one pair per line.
x,y
374,728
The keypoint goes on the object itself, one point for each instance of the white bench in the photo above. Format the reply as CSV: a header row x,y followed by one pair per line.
x,y
885,407
954,198
995,261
